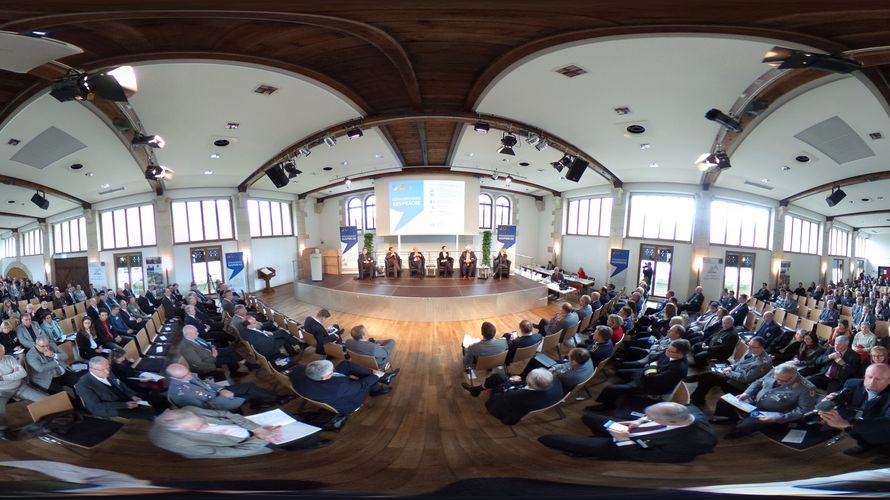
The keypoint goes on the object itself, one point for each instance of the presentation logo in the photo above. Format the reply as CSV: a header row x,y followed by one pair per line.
x,y
405,202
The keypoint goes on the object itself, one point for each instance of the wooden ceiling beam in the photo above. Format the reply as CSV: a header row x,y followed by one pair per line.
x,y
22,183
849,181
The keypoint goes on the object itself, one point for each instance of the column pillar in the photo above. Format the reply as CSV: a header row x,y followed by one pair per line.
x,y
824,260
47,252
854,267
555,236
242,234
164,235
300,230
701,241
778,248
616,233
91,219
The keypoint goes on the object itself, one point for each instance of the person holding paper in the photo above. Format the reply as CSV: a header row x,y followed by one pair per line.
x,y
104,395
735,378
193,432
445,263
780,396
488,346
467,263
669,433
13,384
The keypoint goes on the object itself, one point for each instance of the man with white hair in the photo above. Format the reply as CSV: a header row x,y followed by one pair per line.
x,y
668,433
204,358
718,346
320,381
467,263
836,365
13,384
104,395
187,389
511,400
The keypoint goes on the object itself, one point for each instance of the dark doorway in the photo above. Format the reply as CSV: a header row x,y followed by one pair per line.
x,y
72,270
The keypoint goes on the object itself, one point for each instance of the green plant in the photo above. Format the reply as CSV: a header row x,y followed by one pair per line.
x,y
369,242
486,248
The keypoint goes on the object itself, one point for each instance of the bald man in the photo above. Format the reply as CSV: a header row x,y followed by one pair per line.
x,y
871,397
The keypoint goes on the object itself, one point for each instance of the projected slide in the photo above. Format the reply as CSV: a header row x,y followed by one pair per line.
x,y
426,207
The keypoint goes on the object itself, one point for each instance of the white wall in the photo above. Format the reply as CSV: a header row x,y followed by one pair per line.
x,y
589,252
278,253
33,265
680,272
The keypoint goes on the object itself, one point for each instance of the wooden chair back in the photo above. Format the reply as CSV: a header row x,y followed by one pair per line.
x,y
57,403
681,394
846,311
80,308
144,342
334,352
802,300
69,311
823,331
68,348
569,334
749,321
550,344
150,330
758,307
740,349
279,320
369,362
807,325
791,321
58,313
811,303
78,321
585,322
881,328
490,362
523,354
67,326
22,305
779,315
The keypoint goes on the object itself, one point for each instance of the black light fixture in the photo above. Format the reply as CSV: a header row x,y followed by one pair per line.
x,y
278,177
723,119
785,58
154,141
482,127
507,143
115,85
563,162
290,166
718,159
330,140
837,194
40,200
157,172
354,133
304,151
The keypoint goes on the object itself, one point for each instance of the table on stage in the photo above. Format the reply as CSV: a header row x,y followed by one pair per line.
x,y
584,282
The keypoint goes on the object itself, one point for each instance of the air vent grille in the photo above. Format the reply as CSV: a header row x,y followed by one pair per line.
x,y
571,71
759,185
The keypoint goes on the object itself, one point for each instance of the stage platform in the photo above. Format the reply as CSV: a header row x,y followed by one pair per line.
x,y
426,300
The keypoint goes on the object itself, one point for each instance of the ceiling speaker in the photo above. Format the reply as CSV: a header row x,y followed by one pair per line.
x,y
576,170
278,176
40,201
835,197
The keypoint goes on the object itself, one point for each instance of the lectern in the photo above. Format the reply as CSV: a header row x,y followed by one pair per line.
x,y
266,274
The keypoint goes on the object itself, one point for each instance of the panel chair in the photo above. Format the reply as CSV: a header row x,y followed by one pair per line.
x,y
487,364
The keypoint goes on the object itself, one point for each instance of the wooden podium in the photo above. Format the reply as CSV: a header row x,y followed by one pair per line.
x,y
330,261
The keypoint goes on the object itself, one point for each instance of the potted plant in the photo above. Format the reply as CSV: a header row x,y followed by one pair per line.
x,y
486,248
369,242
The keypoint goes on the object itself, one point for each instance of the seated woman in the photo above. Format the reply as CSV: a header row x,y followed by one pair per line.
x,y
86,341
9,340
367,267
445,263
807,354
581,273
416,263
393,263
501,265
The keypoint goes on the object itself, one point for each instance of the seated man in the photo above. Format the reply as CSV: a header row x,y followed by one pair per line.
x,y
488,346
103,395
585,306
511,400
694,303
319,381
445,263
393,263
367,267
47,367
527,337
203,357
562,321
685,436
318,327
764,293
656,379
782,391
871,397
830,314
836,365
718,346
577,369
636,357
187,389
739,313
362,343
600,345
13,384
205,331
198,433
736,377
267,343
501,265
467,263
416,263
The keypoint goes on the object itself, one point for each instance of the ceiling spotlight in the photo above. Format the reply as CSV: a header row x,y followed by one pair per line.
x,y
494,176
709,160
347,182
215,156
532,139
837,194
304,151
563,162
115,85
156,172
40,200
354,133
542,144
723,119
508,180
290,166
482,127
330,140
507,143
784,58
154,141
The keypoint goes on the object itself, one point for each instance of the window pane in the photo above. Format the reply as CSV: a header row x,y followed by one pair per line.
x,y
148,225
180,223
718,222
74,235
605,217
134,231
814,239
684,217
224,212
761,230
253,217
370,213
733,228
289,228
83,234
196,225
593,228
572,222
583,214
107,230
211,223
120,228
795,235
276,219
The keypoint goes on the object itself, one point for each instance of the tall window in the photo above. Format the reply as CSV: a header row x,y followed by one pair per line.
x,y
205,220
485,206
588,217
801,236
269,218
354,212
738,273
861,248
839,242
837,270
661,217
206,267
502,211
128,227
739,224
371,212
70,236
32,243
9,249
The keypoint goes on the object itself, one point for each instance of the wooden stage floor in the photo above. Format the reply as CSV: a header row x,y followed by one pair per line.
x,y
426,287
429,433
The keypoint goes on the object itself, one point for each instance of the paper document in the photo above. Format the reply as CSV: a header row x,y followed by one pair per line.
x,y
78,367
290,429
741,405
469,340
143,403
795,436
154,377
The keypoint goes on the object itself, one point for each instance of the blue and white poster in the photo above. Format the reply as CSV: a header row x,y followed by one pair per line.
x,y
236,276
507,236
348,236
349,248
426,207
619,259
405,203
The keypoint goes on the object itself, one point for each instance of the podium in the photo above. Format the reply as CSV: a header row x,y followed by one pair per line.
x,y
266,274
315,267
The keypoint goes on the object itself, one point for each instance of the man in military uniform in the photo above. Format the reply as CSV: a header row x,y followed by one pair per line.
x,y
781,391
187,389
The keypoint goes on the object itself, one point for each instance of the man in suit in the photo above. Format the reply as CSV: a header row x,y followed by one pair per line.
x,y
187,389
367,267
656,379
199,433
445,263
736,377
104,395
739,313
866,414
118,325
319,381
361,343
578,369
837,364
93,310
467,263
47,366
171,305
318,327
830,314
488,346
601,347
219,338
27,332
718,346
527,337
392,263
13,384
127,291
694,303
562,321
203,358
762,294
782,391
684,434
152,295
106,335
416,263
510,400
267,343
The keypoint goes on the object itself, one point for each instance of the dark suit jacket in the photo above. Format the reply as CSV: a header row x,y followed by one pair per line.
x,y
740,315
263,344
722,344
510,406
103,334
850,368
145,304
171,309
322,336
197,323
342,393
93,313
520,342
674,446
602,352
872,428
101,400
669,373
694,303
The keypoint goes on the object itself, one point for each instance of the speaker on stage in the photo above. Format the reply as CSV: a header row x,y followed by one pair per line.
x,y
576,170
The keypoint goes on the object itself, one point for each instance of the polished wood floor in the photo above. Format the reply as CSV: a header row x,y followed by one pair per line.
x,y
405,286
429,432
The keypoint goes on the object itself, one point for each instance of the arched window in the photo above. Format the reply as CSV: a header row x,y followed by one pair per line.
x,y
354,212
484,211
502,211
371,212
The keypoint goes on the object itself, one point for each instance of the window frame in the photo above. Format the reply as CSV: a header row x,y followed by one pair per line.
x,y
284,205
361,212
32,238
741,205
753,256
201,201
833,234
58,247
499,208
206,249
819,234
483,211
365,207
590,200
629,217
139,206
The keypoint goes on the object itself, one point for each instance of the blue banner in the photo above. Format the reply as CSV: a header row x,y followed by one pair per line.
x,y
619,258
507,235
405,197
348,236
235,264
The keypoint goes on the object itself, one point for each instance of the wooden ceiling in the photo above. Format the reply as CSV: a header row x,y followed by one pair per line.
x,y
412,57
